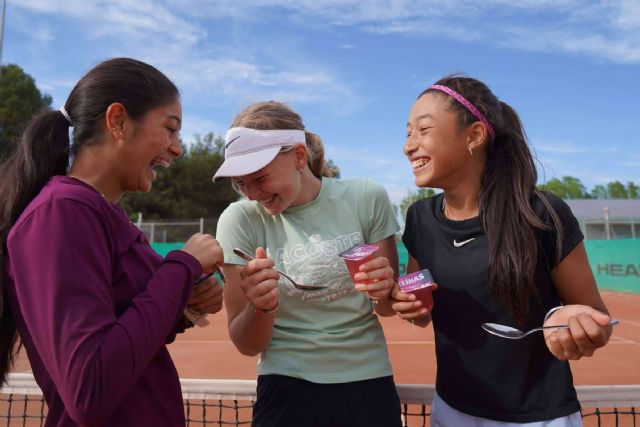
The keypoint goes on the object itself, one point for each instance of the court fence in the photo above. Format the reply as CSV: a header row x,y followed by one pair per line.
x,y
210,402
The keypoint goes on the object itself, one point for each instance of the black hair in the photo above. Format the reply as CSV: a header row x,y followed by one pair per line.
x,y
506,193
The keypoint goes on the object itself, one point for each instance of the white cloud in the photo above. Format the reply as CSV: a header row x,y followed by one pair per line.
x,y
616,48
120,17
556,147
176,43
628,14
561,148
172,36
247,82
608,30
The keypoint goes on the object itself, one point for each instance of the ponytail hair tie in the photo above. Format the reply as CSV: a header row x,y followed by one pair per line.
x,y
66,116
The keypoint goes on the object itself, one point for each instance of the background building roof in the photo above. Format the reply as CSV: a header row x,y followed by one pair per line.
x,y
585,209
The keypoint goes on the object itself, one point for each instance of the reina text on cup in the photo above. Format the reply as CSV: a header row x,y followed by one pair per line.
x,y
356,256
420,284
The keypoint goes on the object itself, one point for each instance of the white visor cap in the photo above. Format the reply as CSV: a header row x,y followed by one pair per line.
x,y
248,150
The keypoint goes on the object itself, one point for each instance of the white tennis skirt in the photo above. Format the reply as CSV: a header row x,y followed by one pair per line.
x,y
443,415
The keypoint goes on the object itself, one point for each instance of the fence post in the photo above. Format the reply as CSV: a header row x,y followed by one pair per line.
x,y
152,231
607,231
201,225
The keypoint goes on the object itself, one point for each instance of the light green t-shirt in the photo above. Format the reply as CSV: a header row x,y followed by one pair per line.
x,y
330,335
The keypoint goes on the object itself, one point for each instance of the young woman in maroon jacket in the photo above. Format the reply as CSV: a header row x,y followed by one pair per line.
x,y
92,302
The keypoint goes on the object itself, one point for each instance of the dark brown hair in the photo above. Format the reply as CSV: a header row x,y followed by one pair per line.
x,y
44,149
507,190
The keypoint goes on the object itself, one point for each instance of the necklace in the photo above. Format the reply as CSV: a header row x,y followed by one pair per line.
x,y
90,185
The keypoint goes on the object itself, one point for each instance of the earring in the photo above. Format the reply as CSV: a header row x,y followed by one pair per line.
x,y
300,170
470,151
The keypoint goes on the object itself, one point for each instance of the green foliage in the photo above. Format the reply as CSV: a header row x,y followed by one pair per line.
x,y
185,190
412,197
20,99
633,191
571,188
617,190
599,192
566,188
333,166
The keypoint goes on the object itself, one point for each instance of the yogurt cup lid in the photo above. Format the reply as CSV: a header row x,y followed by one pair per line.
x,y
414,281
359,251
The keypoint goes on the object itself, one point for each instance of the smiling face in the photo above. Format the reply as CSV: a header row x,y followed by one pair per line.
x,y
152,143
278,185
436,145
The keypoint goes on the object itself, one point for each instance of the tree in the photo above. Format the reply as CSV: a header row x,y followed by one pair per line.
x,y
567,188
20,99
185,190
633,190
600,192
334,167
617,190
412,197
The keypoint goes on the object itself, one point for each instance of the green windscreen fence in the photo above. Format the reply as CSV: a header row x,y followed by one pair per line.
x,y
615,263
164,248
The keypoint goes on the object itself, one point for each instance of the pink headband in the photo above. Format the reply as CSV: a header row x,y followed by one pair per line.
x,y
469,106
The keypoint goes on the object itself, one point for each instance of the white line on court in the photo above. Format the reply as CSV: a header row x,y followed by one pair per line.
x,y
229,342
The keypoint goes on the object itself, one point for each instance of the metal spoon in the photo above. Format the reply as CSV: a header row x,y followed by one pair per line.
x,y
242,254
505,331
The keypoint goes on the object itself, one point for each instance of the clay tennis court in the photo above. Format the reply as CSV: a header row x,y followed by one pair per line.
x,y
208,352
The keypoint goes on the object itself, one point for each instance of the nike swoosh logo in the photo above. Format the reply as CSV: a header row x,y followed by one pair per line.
x,y
229,143
464,242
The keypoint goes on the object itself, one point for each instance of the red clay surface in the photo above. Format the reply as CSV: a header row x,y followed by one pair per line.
x,y
208,352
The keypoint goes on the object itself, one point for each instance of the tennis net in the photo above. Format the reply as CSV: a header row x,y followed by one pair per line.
x,y
210,402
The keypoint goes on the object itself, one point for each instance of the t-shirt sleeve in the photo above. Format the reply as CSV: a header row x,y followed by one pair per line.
x,y
570,228
235,230
379,217
61,261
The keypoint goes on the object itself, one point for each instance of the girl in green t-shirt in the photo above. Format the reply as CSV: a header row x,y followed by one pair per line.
x,y
323,356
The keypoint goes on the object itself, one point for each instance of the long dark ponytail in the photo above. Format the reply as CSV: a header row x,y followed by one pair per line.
x,y
45,150
508,188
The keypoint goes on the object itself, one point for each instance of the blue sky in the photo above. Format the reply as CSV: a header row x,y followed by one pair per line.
x,y
352,68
